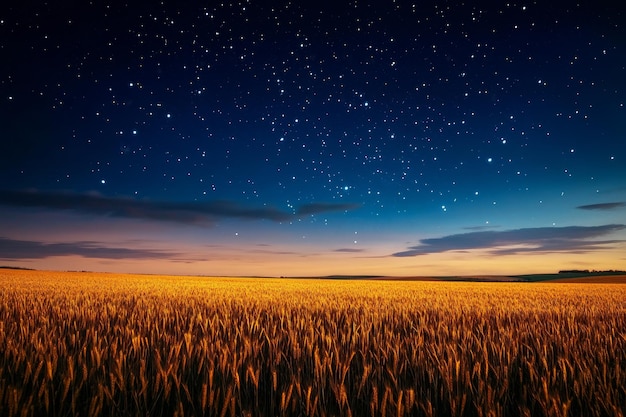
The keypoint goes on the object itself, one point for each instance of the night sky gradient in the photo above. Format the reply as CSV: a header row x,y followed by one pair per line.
x,y
313,138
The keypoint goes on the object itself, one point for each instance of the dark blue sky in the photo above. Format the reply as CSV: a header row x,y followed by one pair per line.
x,y
379,137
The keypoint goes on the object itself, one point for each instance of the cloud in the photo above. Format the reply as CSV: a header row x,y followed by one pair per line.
x,y
181,212
25,249
476,228
316,208
602,206
348,250
537,240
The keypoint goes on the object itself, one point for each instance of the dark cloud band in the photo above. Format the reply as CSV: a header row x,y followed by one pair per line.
x,y
181,212
26,249
538,240
602,206
316,208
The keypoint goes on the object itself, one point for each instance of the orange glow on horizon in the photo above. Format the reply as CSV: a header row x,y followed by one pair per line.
x,y
251,262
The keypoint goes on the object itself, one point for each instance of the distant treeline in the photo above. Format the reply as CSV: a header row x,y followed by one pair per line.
x,y
593,271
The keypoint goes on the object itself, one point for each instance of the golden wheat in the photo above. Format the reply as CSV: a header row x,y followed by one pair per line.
x,y
76,344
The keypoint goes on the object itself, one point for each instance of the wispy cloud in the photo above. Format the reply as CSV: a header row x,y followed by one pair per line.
x,y
26,249
477,228
538,240
349,250
316,208
181,212
603,206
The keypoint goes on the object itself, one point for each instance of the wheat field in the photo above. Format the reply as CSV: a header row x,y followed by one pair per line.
x,y
86,344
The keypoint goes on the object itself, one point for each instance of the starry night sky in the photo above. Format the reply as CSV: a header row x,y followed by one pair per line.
x,y
313,138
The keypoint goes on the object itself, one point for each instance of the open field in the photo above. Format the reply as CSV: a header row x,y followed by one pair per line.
x,y
108,345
